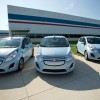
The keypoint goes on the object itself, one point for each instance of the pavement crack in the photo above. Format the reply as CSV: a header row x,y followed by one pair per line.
x,y
24,86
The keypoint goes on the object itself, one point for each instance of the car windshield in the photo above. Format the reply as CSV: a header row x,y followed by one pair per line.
x,y
93,40
54,42
9,43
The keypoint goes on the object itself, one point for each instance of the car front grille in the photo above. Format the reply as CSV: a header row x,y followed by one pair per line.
x,y
51,70
50,57
54,61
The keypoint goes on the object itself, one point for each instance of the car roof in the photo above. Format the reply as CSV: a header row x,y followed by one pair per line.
x,y
54,37
14,38
90,37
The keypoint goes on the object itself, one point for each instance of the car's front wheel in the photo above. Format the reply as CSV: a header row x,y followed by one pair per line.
x,y
86,55
21,65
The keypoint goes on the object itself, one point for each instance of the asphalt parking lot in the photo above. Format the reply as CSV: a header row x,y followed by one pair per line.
x,y
83,83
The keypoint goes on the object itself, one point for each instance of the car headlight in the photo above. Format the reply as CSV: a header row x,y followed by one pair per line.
x,y
12,56
70,56
92,48
39,57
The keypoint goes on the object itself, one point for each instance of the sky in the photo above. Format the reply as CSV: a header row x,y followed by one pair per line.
x,y
83,8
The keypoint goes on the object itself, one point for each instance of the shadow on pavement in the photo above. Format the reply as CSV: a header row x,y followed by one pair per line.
x,y
78,80
18,79
95,61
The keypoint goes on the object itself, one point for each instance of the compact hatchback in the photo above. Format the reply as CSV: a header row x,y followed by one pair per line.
x,y
14,52
89,46
54,56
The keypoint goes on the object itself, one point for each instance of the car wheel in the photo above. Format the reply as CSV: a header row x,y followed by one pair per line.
x,y
86,55
32,53
21,65
77,50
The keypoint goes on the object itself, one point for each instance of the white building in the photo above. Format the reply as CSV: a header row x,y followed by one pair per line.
x,y
4,33
38,23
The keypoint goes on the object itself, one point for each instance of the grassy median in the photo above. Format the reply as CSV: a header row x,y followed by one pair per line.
x,y
74,47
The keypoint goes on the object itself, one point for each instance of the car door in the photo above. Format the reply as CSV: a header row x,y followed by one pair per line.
x,y
30,48
25,49
79,45
83,42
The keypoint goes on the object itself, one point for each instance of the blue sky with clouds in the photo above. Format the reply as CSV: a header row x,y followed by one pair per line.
x,y
83,8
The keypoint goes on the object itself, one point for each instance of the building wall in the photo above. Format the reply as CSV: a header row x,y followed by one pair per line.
x,y
4,33
46,22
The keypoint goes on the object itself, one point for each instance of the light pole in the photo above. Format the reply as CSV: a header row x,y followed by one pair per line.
x,y
10,35
9,30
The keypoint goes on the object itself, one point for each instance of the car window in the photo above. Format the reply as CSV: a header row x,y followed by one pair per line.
x,y
81,39
84,41
54,42
9,43
24,42
93,40
29,41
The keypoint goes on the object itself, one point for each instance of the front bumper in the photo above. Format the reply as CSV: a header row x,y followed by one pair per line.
x,y
94,55
9,66
67,67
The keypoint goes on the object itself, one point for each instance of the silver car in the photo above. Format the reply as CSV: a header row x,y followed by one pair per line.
x,y
89,46
14,52
54,56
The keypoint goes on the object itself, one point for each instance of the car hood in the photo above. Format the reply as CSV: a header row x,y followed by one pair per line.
x,y
6,51
54,51
96,46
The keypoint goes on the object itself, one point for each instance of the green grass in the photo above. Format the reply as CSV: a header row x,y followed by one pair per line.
x,y
74,48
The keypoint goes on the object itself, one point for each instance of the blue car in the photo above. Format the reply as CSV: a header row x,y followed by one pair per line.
x,y
14,52
89,46
54,56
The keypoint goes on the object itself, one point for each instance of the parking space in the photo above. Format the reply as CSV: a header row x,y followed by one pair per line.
x,y
83,83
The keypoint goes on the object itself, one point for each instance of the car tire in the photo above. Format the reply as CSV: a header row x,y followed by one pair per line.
x,y
21,65
86,55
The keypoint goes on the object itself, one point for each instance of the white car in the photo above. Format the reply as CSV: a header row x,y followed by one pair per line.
x,y
89,46
54,56
14,52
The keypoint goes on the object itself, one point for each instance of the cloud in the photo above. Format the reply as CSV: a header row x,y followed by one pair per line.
x,y
70,6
